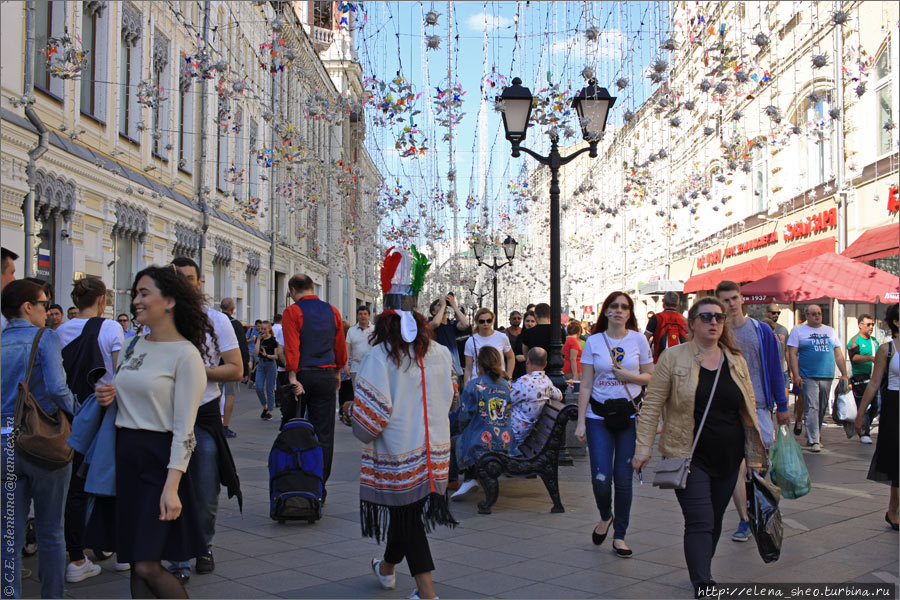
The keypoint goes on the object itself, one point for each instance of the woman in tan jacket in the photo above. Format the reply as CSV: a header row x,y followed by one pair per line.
x,y
683,383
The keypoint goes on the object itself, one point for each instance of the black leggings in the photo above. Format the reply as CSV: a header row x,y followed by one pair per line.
x,y
703,502
406,538
76,512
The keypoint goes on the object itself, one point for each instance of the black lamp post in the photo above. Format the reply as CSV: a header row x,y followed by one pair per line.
x,y
592,105
509,248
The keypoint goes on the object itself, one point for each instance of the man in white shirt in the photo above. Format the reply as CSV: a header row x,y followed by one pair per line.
x,y
486,336
223,364
358,344
278,332
530,393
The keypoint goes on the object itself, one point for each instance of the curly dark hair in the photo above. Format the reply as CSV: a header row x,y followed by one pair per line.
x,y
387,331
190,318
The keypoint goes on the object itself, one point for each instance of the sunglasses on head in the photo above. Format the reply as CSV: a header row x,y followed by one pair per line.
x,y
485,321
707,317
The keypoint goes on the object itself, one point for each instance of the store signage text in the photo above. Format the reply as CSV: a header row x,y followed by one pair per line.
x,y
821,222
717,256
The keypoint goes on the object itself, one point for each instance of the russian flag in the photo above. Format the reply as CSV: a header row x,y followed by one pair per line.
x,y
43,258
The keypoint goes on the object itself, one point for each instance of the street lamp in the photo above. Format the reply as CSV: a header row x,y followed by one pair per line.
x,y
509,248
592,105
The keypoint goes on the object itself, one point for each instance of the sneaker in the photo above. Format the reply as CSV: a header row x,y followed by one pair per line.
x,y
388,582
122,566
742,533
263,414
229,433
815,447
76,573
205,564
864,439
415,595
267,416
182,574
466,487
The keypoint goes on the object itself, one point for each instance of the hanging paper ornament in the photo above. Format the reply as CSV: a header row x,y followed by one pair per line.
x,y
149,95
592,33
588,73
819,60
835,113
65,56
669,44
662,153
705,85
741,76
889,125
861,89
690,105
840,17
721,88
345,9
675,122
431,17
773,113
761,40
737,115
433,42
747,167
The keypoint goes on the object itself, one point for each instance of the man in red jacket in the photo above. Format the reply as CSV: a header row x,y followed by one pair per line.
x,y
315,353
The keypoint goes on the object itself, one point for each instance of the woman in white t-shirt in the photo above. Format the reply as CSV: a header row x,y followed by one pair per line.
x,y
486,336
617,359
89,296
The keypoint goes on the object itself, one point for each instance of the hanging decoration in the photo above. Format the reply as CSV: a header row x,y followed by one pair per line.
x,y
66,59
150,95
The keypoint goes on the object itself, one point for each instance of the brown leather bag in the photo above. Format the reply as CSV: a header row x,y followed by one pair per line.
x,y
39,438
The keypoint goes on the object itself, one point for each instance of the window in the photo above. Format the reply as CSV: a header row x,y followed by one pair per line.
x,y
94,35
222,145
124,273
251,291
219,281
240,174
885,99
49,21
160,114
322,14
252,166
760,178
130,73
185,122
818,138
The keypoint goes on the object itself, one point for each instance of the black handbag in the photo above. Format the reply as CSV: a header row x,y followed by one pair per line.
x,y
616,412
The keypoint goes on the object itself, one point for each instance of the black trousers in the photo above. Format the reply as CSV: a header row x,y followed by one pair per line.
x,y
858,384
406,538
76,512
703,502
317,404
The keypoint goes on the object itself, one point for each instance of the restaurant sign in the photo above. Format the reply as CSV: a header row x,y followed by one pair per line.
x,y
814,224
717,256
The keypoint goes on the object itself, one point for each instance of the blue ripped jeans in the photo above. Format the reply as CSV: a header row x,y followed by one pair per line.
x,y
610,454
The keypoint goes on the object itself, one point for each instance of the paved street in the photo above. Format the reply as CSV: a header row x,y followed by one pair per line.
x,y
835,534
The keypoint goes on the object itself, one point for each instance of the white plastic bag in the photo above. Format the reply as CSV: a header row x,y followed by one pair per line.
x,y
845,407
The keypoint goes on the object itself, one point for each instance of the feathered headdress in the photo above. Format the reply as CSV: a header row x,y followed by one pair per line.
x,y
402,278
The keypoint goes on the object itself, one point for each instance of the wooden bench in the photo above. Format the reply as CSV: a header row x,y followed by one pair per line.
x,y
539,456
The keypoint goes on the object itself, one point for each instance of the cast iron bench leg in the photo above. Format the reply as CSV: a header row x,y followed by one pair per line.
x,y
491,488
552,485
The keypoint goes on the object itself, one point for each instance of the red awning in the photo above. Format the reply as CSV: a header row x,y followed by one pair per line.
x,y
827,276
792,256
750,270
875,243
702,281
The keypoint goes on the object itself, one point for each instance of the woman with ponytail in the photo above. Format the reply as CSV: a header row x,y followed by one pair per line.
x,y
404,388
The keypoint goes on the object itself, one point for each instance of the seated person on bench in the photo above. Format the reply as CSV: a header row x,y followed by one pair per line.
x,y
529,394
484,415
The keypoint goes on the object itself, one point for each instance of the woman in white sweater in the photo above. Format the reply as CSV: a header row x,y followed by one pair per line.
x,y
158,386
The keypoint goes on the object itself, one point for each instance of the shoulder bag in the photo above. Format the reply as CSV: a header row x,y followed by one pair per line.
x,y
616,412
39,438
672,473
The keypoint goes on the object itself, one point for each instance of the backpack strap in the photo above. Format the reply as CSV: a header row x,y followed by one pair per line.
x,y
128,351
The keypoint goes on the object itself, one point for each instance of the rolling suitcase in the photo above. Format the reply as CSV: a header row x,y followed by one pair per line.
x,y
295,474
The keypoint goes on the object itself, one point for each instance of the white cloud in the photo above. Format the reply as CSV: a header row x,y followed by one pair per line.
x,y
608,45
477,22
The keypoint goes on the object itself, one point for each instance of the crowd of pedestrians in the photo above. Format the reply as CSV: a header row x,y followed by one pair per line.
x,y
150,396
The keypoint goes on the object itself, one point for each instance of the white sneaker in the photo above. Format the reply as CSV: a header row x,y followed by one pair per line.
x,y
122,566
466,487
76,573
388,582
415,596
864,439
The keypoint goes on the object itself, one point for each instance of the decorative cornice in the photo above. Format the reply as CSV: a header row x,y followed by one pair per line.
x,y
92,7
160,52
224,251
131,24
131,221
187,240
254,260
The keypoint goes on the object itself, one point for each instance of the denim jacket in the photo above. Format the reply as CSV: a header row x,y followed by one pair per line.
x,y
48,379
484,412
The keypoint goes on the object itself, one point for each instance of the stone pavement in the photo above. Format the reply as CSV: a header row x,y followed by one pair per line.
x,y
837,533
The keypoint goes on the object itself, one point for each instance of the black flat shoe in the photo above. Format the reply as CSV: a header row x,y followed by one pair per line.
x,y
598,538
622,552
798,428
894,526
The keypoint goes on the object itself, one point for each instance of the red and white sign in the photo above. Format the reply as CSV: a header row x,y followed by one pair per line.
x,y
823,221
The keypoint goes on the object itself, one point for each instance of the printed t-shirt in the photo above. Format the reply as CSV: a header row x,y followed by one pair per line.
x,y
631,352
476,342
815,350
110,340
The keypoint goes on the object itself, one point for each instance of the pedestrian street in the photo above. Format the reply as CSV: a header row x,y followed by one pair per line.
x,y
836,533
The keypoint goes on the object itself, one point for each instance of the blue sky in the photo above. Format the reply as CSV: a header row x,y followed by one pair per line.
x,y
553,47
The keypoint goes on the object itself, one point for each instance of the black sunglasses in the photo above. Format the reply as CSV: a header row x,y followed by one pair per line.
x,y
707,317
484,321
46,303
774,312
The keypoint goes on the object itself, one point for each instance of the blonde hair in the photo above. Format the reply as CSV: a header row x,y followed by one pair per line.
x,y
483,311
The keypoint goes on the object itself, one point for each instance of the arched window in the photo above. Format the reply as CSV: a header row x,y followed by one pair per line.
x,y
884,99
817,137
760,157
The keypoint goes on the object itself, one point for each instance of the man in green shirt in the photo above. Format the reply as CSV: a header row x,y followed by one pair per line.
x,y
862,348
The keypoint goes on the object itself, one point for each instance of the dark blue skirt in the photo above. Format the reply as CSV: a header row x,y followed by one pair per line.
x,y
129,524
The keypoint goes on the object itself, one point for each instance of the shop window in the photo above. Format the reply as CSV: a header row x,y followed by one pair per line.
x,y
885,100
95,41
49,21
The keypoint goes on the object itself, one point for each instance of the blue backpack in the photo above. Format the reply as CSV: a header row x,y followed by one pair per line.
x,y
295,474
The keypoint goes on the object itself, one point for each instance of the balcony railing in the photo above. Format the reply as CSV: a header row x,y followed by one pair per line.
x,y
321,36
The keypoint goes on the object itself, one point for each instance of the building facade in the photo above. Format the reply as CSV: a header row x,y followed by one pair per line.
x,y
161,145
